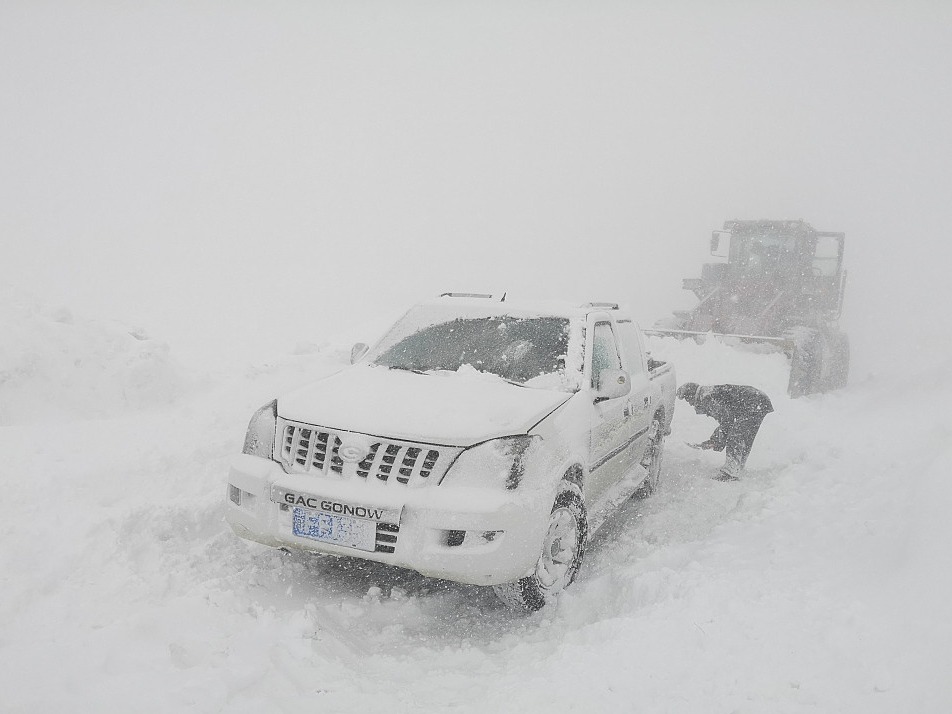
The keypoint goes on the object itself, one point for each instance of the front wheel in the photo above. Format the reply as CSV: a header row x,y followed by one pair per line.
x,y
561,557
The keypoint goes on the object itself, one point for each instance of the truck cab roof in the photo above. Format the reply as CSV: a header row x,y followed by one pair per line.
x,y
489,304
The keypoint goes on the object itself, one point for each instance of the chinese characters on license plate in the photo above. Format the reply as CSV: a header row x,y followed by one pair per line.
x,y
331,528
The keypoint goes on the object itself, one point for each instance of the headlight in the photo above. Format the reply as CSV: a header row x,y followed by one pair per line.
x,y
259,440
497,463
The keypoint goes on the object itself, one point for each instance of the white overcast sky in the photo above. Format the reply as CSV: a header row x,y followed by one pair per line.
x,y
236,177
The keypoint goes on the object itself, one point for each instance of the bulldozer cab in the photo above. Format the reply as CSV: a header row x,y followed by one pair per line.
x,y
786,264
781,284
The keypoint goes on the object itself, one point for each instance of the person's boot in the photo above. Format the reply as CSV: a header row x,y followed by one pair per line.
x,y
730,471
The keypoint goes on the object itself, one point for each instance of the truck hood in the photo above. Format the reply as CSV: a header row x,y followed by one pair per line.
x,y
450,409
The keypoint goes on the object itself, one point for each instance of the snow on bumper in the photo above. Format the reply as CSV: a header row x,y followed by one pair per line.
x,y
470,535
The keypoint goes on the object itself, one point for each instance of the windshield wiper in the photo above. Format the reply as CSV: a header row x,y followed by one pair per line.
x,y
415,370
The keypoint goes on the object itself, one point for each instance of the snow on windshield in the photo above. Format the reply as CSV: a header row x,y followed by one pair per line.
x,y
529,350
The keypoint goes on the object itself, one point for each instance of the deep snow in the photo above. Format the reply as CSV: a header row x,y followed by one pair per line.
x,y
819,583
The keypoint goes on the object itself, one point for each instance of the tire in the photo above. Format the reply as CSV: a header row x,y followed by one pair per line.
x,y
840,349
653,457
559,561
805,362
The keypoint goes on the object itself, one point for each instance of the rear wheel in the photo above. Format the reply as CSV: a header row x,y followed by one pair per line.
x,y
840,351
652,458
561,557
805,362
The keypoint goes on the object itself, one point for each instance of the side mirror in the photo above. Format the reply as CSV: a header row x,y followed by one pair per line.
x,y
358,351
612,383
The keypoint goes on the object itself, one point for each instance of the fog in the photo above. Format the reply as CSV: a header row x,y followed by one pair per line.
x,y
246,181
236,178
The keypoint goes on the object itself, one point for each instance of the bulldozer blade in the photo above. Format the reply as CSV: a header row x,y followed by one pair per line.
x,y
784,342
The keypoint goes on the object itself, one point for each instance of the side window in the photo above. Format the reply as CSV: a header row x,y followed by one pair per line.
x,y
632,347
604,350
826,258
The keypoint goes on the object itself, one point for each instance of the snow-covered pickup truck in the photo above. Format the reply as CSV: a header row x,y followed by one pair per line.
x,y
479,441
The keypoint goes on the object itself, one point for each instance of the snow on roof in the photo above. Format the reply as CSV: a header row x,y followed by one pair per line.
x,y
501,305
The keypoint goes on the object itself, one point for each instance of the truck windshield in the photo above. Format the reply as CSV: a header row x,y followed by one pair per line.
x,y
526,350
768,250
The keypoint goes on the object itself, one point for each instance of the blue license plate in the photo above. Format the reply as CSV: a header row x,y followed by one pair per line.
x,y
332,528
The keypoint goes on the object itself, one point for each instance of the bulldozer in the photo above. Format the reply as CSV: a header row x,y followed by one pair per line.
x,y
782,284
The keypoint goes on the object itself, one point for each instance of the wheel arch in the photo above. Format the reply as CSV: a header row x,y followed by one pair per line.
x,y
574,475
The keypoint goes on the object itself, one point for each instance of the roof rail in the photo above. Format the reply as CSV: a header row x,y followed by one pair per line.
x,y
486,296
603,305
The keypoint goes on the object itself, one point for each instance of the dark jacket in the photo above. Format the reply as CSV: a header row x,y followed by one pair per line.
x,y
731,405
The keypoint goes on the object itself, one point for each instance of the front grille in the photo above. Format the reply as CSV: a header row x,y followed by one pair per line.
x,y
386,537
308,449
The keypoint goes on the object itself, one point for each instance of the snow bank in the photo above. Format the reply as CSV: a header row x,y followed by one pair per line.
x,y
55,366
714,362
818,583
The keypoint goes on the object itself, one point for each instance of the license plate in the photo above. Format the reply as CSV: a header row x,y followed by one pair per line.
x,y
331,528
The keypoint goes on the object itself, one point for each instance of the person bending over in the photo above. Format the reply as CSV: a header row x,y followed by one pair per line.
x,y
739,410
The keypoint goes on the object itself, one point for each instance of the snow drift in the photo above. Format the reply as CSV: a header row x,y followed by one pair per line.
x,y
819,583
55,366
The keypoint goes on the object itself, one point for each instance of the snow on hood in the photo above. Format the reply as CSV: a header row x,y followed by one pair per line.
x,y
456,408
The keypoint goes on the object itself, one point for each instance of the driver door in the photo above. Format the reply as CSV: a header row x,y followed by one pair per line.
x,y
614,426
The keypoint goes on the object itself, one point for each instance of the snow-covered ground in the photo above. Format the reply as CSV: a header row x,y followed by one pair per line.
x,y
819,583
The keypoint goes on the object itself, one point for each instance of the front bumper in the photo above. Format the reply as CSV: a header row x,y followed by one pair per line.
x,y
469,535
